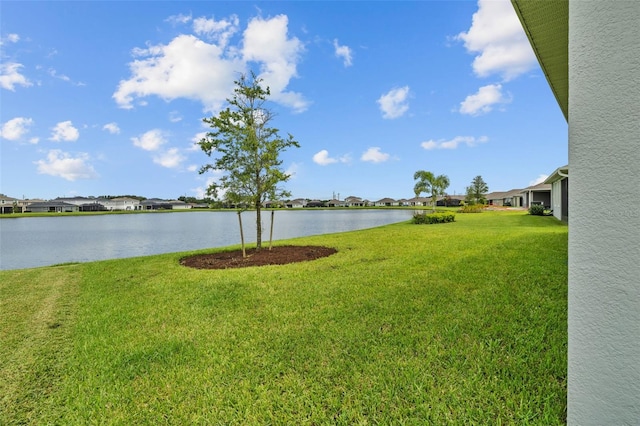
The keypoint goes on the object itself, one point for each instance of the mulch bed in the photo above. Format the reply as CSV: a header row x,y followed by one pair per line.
x,y
278,255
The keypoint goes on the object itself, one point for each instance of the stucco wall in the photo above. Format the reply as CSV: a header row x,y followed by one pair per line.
x,y
556,199
604,222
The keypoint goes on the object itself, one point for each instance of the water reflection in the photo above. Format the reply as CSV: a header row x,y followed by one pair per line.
x,y
39,241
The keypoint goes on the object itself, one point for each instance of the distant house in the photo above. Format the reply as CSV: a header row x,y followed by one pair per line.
x,y
450,200
122,203
418,202
199,205
537,194
94,206
274,204
53,206
86,204
155,204
511,198
7,203
27,203
352,201
559,181
296,204
179,205
158,204
386,202
315,203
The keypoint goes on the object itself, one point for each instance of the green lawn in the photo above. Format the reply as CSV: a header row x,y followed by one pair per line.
x,y
457,323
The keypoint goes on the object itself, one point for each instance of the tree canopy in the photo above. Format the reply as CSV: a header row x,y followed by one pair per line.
x,y
246,150
429,183
477,191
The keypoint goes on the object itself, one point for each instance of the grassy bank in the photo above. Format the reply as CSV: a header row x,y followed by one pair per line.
x,y
461,323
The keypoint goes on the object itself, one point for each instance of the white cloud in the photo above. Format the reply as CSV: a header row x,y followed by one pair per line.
x,y
153,140
322,158
11,38
374,155
192,168
111,128
218,31
266,41
499,41
541,178
54,73
394,104
171,158
188,67
178,19
15,128
292,170
343,52
483,101
150,141
10,76
64,131
470,141
429,145
62,164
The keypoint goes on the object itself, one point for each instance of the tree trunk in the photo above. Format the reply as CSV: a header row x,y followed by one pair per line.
x,y
271,230
258,227
244,253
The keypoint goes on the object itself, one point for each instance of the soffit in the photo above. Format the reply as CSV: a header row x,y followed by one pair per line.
x,y
546,24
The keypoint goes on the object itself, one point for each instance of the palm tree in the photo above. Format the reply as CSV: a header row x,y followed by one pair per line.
x,y
427,182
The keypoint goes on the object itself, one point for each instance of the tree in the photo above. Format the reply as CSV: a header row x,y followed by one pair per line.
x,y
477,191
247,151
427,182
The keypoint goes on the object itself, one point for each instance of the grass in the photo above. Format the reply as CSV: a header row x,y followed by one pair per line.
x,y
457,323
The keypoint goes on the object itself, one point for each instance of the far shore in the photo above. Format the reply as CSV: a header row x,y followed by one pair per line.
x,y
52,214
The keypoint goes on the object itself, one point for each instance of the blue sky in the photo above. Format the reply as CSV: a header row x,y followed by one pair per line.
x,y
107,98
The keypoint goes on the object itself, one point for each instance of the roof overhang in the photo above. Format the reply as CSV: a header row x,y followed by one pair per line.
x,y
541,187
558,174
546,24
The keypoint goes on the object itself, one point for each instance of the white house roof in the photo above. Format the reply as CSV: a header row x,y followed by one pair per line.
x,y
500,195
5,198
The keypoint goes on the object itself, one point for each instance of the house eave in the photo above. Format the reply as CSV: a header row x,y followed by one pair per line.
x,y
546,24
558,174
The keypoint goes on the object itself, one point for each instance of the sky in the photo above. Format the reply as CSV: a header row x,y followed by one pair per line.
x,y
107,98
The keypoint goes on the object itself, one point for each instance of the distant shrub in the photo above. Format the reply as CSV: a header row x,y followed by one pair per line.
x,y
536,210
422,218
471,208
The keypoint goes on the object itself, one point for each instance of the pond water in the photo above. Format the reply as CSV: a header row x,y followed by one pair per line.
x,y
40,241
